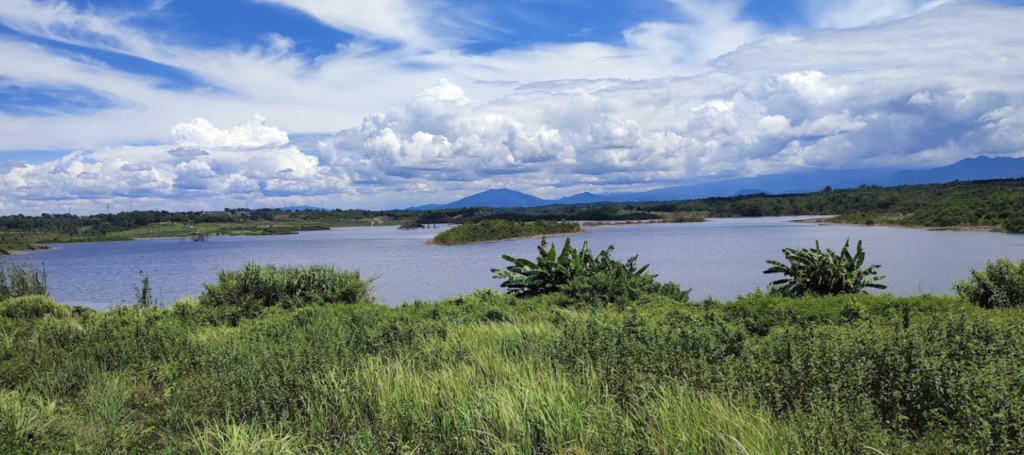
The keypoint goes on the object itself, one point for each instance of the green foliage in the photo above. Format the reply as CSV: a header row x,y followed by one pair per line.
x,y
243,439
618,283
553,270
494,373
144,293
490,230
824,272
1000,285
409,225
21,280
23,416
254,289
32,307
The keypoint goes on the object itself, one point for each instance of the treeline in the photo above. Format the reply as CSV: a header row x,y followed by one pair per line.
x,y
20,232
489,230
998,203
102,223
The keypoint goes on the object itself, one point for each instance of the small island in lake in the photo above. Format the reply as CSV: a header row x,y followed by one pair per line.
x,y
491,230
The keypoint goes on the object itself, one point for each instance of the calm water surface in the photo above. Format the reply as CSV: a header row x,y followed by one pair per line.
x,y
721,257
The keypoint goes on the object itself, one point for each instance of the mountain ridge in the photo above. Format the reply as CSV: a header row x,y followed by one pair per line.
x,y
977,168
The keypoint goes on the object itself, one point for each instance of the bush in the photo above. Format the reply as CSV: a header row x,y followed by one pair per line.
x,y
1001,285
553,270
824,272
32,307
259,287
618,284
21,280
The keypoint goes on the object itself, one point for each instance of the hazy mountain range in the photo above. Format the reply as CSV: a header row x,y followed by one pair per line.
x,y
980,168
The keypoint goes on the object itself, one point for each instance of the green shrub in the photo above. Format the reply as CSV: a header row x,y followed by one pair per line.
x,y
1014,225
249,292
32,307
1001,285
618,284
824,272
553,270
21,280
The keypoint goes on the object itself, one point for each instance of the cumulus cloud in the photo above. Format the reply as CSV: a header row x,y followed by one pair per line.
x,y
905,84
247,162
201,133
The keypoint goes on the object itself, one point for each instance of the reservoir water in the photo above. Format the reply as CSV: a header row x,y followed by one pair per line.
x,y
722,258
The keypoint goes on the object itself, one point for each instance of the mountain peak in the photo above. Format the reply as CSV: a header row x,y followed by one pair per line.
x,y
977,168
494,198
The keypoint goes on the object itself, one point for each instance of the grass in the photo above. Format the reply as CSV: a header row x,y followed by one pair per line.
x,y
490,373
21,280
7,248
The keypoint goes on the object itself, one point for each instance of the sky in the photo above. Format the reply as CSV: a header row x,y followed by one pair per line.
x,y
199,105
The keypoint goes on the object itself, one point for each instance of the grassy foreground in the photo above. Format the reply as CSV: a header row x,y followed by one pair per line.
x,y
274,360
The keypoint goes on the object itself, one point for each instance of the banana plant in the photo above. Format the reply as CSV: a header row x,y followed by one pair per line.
x,y
552,269
824,272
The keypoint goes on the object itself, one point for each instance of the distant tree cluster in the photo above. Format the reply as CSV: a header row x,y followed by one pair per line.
x,y
488,230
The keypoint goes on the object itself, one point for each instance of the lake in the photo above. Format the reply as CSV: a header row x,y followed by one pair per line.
x,y
722,258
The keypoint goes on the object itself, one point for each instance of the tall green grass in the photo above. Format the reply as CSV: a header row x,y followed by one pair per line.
x,y
255,288
490,373
21,280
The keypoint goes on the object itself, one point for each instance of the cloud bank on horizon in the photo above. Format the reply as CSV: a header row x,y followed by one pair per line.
x,y
395,103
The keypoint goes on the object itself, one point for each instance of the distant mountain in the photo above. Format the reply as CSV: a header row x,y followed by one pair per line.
x,y
299,208
490,198
583,198
794,182
980,168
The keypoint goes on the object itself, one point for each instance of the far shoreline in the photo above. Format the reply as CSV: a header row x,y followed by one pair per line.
x,y
825,221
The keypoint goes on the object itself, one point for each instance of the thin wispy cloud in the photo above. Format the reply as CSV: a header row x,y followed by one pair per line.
x,y
347,104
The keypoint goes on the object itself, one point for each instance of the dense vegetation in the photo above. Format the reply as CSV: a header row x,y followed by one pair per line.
x,y
20,281
275,360
813,271
582,277
489,230
1000,285
996,204
19,232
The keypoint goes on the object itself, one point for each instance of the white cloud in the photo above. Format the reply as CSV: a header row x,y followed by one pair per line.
x,y
201,133
396,20
856,13
921,99
936,86
1006,127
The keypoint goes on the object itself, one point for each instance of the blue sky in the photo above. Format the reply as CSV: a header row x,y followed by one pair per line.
x,y
189,104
